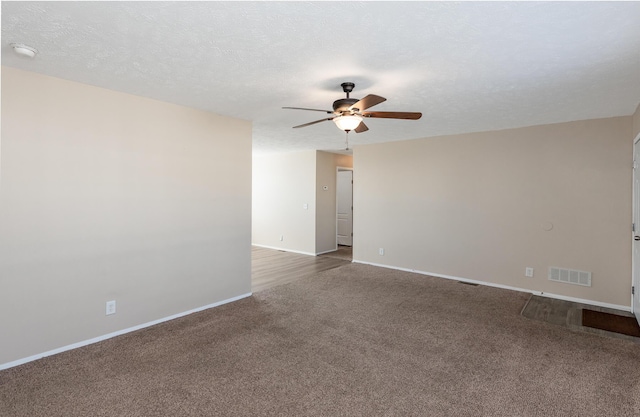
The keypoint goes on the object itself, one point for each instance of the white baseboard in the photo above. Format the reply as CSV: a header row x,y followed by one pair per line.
x,y
284,249
506,287
117,333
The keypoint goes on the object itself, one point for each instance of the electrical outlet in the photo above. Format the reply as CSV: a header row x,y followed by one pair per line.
x,y
111,307
528,272
381,251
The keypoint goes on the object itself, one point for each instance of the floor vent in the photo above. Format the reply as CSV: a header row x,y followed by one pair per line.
x,y
570,276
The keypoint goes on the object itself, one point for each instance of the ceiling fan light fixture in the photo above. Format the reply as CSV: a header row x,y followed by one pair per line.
x,y
347,114
348,122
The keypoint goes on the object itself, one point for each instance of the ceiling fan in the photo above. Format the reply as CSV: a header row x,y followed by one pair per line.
x,y
348,113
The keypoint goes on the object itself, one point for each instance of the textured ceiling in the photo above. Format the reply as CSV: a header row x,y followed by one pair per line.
x,y
467,67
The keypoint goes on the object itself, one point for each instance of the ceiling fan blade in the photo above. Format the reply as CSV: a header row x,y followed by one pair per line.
x,y
302,108
369,101
361,128
393,115
313,123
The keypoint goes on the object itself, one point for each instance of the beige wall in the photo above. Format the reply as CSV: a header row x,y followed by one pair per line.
x,y
475,206
282,184
108,196
326,175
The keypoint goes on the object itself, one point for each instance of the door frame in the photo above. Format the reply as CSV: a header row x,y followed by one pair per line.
x,y
338,169
635,281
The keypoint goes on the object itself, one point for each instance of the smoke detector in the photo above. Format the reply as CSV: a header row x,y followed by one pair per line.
x,y
24,50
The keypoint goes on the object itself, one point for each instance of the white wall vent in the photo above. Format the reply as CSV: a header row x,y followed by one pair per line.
x,y
570,276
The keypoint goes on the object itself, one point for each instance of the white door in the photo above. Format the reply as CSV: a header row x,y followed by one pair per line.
x,y
344,195
635,282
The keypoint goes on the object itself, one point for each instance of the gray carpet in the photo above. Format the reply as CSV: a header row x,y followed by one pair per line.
x,y
352,341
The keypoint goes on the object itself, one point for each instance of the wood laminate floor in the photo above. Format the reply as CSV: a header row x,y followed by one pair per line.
x,y
343,252
270,267
569,314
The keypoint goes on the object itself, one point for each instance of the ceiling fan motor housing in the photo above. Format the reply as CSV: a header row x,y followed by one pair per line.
x,y
343,104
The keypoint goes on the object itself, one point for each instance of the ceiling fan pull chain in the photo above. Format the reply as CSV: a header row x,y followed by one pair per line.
x,y
347,140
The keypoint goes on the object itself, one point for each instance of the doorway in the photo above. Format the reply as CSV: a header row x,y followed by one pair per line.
x,y
344,210
635,275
